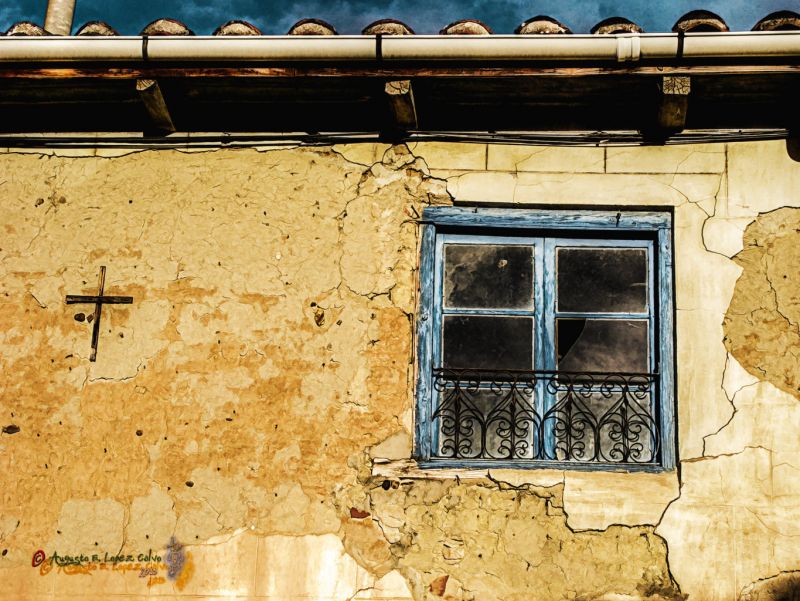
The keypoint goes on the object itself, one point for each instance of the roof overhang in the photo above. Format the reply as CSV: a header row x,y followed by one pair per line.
x,y
657,84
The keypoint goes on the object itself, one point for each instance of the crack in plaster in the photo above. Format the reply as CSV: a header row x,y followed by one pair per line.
x,y
743,450
731,399
553,514
499,483
753,584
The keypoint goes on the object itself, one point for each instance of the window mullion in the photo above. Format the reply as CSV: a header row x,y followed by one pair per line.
x,y
545,393
547,313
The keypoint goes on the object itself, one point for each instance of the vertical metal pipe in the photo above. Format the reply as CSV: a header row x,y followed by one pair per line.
x,y
59,16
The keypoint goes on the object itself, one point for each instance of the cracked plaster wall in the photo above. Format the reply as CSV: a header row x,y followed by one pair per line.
x,y
267,362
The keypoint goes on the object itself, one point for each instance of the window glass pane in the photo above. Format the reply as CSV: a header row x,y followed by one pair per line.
x,y
603,345
488,342
602,280
488,276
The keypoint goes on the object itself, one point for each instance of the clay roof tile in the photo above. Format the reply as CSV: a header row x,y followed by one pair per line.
x,y
237,28
542,24
312,27
387,27
166,27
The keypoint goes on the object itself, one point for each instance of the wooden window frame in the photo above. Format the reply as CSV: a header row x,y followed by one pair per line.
x,y
617,229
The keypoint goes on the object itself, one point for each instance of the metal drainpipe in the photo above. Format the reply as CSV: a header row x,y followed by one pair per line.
x,y
428,49
59,16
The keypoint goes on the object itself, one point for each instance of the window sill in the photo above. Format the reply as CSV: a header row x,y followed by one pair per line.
x,y
542,473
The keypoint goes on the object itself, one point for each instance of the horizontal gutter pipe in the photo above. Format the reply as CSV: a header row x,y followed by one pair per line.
x,y
620,48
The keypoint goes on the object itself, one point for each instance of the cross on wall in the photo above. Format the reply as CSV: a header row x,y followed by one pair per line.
x,y
99,300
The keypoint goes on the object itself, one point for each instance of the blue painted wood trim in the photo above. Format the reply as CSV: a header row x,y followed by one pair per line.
x,y
425,354
540,350
603,243
611,316
666,309
430,312
508,312
547,219
548,326
437,344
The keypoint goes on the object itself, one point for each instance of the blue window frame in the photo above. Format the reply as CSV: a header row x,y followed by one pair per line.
x,y
545,339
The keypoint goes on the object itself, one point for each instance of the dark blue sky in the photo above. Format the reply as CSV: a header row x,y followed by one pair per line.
x,y
424,16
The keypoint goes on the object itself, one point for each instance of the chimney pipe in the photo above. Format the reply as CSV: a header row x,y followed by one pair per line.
x,y
59,16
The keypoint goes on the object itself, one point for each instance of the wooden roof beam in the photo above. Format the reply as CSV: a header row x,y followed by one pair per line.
x,y
674,102
673,106
402,108
153,100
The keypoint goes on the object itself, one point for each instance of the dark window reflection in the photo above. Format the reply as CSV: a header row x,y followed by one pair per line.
x,y
603,345
488,342
602,280
481,276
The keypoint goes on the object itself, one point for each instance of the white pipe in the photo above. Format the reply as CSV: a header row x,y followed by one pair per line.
x,y
499,47
262,48
52,49
590,48
767,45
59,16
620,47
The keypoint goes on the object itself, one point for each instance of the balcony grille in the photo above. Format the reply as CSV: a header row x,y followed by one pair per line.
x,y
546,416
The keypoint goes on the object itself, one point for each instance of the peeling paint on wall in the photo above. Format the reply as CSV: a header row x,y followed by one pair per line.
x,y
256,400
762,326
493,540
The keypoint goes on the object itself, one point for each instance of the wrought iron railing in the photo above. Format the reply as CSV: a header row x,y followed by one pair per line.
x,y
546,416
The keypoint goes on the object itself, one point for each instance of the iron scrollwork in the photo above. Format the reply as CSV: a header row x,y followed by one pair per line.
x,y
547,416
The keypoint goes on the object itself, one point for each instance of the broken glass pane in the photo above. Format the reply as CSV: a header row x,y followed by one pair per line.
x,y
488,342
602,345
481,276
602,280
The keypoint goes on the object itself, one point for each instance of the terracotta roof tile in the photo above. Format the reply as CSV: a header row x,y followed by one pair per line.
x,y
697,21
166,27
542,24
387,27
614,25
100,28
26,28
237,28
466,27
312,27
781,20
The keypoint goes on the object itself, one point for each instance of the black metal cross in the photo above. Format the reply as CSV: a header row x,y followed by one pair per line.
x,y
98,301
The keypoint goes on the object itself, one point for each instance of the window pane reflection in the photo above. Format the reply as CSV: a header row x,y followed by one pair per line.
x,y
602,280
488,342
603,345
488,276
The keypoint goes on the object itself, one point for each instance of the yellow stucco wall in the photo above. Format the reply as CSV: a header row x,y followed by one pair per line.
x,y
254,404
